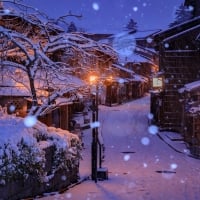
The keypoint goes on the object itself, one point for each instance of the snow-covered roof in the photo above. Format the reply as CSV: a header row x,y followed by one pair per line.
x,y
59,81
63,101
178,28
77,40
14,91
140,78
145,33
134,58
11,87
181,33
124,43
135,77
190,87
123,68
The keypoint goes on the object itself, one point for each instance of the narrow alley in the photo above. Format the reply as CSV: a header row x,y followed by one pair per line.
x,y
141,166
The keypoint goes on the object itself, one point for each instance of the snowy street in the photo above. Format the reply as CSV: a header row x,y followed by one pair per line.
x,y
141,166
80,83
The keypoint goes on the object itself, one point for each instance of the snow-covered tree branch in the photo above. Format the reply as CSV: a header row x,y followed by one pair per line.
x,y
46,56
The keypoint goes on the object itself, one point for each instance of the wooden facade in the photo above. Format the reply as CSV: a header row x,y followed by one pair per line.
x,y
126,87
118,93
179,59
30,27
192,132
190,101
59,117
15,105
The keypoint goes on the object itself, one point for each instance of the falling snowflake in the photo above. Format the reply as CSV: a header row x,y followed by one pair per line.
x,y
190,8
135,8
12,108
126,157
173,166
153,129
68,195
149,40
95,6
145,141
6,11
121,81
94,124
150,116
63,178
186,151
145,165
30,121
144,4
182,181
166,45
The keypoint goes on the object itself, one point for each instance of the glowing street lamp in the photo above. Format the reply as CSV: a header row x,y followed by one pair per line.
x,y
94,80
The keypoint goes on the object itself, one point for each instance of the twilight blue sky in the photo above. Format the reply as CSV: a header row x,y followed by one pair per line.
x,y
108,16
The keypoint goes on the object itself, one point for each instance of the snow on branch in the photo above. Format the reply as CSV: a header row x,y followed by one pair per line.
x,y
19,40
47,55
63,18
47,104
79,43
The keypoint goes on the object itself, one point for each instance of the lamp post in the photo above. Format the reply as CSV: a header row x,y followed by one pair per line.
x,y
94,140
97,172
94,149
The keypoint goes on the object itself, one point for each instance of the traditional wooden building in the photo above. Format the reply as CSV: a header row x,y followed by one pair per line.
x,y
126,87
59,116
76,57
190,101
14,99
179,58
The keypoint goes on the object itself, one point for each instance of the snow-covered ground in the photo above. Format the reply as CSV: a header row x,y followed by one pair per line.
x,y
141,166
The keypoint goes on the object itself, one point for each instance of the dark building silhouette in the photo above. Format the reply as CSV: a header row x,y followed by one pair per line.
x,y
179,59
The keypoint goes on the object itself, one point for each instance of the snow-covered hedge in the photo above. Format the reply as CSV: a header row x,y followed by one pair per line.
x,y
22,150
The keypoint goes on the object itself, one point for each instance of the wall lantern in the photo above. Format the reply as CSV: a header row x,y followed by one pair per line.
x,y
157,82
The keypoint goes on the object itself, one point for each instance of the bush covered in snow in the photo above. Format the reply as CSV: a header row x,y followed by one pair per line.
x,y
22,150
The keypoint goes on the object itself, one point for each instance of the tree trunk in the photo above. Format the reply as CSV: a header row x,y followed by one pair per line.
x,y
32,87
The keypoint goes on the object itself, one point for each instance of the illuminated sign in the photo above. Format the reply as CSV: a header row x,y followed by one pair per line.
x,y
158,82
